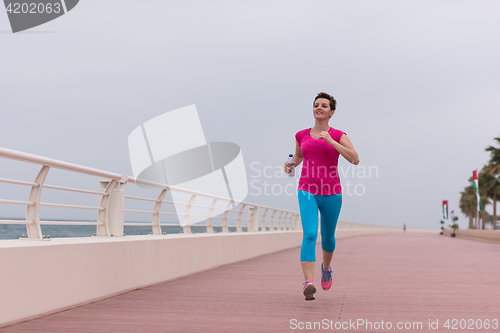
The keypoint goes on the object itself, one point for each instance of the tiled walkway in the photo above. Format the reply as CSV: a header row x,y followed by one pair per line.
x,y
404,277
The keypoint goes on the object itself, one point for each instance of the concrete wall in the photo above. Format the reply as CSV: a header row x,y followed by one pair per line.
x,y
42,276
492,236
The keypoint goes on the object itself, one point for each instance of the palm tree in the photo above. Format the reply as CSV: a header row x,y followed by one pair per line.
x,y
468,203
485,182
495,154
494,194
491,185
493,171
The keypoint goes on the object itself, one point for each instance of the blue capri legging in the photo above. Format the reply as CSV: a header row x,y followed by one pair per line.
x,y
329,208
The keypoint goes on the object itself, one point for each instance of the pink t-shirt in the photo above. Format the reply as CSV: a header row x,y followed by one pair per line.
x,y
319,174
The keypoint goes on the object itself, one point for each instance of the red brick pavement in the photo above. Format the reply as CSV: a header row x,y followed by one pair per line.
x,y
412,277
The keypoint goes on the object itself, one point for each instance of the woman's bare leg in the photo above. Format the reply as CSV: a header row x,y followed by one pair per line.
x,y
327,259
308,269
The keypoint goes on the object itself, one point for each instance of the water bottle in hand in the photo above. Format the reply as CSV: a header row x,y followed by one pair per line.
x,y
291,165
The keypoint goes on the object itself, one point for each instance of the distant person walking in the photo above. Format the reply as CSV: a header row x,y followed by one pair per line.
x,y
319,188
404,227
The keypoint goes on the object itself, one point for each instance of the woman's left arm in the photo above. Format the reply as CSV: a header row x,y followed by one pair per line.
x,y
345,147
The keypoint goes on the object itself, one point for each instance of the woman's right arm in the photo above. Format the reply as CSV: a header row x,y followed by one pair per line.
x,y
297,157
298,154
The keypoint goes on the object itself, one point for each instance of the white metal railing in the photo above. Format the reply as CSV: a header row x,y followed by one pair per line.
x,y
33,204
251,211
111,204
111,208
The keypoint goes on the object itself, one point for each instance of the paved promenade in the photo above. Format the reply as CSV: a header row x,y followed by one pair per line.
x,y
405,278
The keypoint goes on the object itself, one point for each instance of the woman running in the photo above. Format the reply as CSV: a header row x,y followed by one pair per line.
x,y
319,188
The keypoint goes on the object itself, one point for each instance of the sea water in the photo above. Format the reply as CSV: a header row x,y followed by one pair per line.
x,y
15,231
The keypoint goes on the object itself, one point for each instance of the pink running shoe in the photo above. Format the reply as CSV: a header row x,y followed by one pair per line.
x,y
326,278
309,290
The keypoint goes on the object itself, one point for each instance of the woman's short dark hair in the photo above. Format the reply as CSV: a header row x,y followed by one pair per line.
x,y
333,102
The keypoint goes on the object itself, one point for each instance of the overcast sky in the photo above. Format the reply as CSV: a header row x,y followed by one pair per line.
x,y
417,85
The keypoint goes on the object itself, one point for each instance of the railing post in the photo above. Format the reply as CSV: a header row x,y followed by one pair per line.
x,y
210,228
290,222
272,217
33,211
238,220
186,228
271,226
298,225
255,220
279,218
114,204
225,228
156,215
